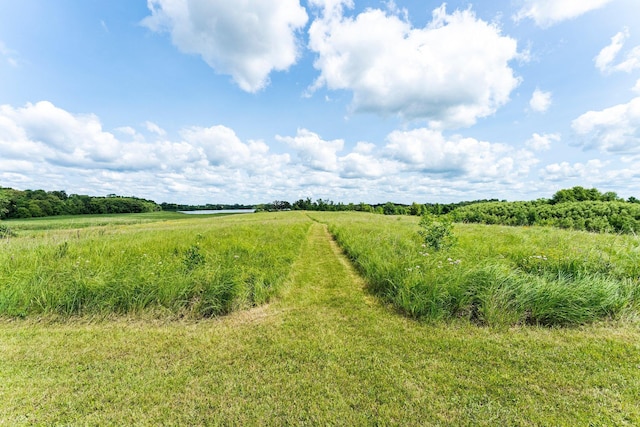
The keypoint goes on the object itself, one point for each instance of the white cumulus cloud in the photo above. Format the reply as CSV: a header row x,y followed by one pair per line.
x,y
605,59
542,142
614,129
247,39
546,13
563,171
450,72
313,151
540,101
429,151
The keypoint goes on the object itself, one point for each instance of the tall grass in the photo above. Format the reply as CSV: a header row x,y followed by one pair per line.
x,y
194,267
496,275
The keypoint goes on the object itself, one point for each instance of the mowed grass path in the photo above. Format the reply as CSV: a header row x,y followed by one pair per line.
x,y
324,353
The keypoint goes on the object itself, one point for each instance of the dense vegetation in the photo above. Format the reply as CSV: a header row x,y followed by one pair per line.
x,y
494,275
594,216
40,203
575,208
189,267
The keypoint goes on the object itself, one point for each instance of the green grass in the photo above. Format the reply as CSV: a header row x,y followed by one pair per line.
x,y
83,221
194,267
495,275
324,353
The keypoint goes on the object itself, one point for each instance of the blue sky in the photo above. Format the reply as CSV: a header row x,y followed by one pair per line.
x,y
210,101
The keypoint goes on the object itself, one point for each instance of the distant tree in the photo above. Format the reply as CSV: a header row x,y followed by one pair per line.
x,y
576,194
416,209
389,209
363,207
280,205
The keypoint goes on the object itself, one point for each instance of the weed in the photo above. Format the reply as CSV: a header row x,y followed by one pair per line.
x,y
437,232
6,232
193,258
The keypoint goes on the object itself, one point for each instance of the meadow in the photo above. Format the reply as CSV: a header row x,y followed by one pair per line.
x,y
495,275
262,319
180,267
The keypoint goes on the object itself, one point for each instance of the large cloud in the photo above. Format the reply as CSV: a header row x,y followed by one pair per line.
x,y
430,152
615,129
57,135
47,144
247,39
450,72
546,13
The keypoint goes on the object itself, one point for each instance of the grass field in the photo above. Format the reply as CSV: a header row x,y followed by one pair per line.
x,y
187,267
324,350
495,275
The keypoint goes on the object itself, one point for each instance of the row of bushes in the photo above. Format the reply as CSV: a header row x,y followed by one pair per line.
x,y
595,216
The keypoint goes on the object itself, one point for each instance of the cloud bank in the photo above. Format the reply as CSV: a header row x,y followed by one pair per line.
x,y
44,143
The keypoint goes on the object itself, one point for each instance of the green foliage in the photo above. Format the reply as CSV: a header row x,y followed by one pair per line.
x,y
594,216
193,258
40,203
437,232
581,194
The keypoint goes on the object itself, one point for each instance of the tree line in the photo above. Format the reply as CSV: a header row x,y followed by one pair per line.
x,y
40,203
576,208
174,207
388,208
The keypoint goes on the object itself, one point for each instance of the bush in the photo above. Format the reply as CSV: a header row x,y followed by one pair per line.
x,y
437,232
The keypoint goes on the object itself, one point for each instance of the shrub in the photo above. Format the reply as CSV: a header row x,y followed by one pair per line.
x,y
437,232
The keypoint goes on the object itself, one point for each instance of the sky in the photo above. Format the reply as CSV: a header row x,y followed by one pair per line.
x,y
251,101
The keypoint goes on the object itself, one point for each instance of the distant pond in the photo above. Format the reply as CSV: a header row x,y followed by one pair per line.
x,y
219,211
